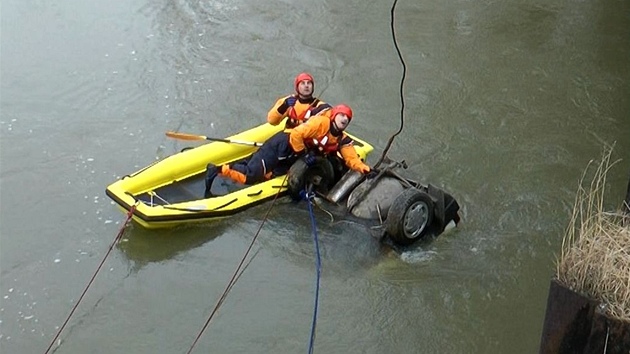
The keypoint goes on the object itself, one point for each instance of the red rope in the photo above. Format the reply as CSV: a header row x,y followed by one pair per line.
x,y
236,274
120,233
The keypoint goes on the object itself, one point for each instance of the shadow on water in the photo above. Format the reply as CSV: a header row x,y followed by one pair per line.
x,y
144,246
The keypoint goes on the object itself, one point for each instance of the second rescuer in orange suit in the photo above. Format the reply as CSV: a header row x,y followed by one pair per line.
x,y
298,107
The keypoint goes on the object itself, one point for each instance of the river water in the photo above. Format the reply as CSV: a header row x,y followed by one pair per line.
x,y
505,105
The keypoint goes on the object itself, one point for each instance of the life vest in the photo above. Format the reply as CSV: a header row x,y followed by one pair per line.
x,y
329,143
295,119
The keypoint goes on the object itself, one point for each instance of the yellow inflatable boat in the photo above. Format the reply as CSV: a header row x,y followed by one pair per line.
x,y
169,192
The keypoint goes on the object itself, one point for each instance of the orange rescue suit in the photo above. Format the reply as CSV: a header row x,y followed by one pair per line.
x,y
315,134
299,113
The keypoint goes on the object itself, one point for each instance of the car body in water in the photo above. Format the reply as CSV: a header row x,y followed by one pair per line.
x,y
393,206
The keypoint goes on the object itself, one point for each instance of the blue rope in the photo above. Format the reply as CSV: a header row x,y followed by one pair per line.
x,y
318,266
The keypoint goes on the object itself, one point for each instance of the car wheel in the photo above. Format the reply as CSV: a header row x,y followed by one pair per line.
x,y
410,216
320,175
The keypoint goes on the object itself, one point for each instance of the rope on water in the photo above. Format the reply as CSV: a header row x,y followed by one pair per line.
x,y
118,237
318,269
238,272
330,215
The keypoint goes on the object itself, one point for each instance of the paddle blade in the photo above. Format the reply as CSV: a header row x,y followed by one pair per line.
x,y
184,136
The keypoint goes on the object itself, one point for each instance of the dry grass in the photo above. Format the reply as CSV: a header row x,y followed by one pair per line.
x,y
595,259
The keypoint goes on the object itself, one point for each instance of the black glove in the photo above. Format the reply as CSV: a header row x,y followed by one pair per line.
x,y
310,159
373,173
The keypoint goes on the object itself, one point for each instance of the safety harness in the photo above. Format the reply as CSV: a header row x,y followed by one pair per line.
x,y
295,119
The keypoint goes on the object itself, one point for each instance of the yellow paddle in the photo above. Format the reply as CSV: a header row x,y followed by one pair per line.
x,y
184,136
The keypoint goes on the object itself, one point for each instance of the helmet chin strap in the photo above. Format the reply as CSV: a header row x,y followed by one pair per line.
x,y
334,130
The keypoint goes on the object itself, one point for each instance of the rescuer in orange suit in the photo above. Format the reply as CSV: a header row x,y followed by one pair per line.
x,y
298,107
322,134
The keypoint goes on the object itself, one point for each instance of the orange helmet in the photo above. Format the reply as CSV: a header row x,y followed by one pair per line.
x,y
302,77
341,108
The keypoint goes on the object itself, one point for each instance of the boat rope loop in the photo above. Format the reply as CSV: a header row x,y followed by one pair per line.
x,y
309,196
242,266
402,84
116,240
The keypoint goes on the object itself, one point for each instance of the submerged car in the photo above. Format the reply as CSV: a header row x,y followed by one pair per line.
x,y
396,207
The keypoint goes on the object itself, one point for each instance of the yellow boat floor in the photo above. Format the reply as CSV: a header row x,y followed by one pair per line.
x,y
189,189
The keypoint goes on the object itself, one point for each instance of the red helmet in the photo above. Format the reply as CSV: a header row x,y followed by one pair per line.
x,y
341,108
302,77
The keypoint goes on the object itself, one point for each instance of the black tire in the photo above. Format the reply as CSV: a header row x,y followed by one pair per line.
x,y
300,176
410,217
339,167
